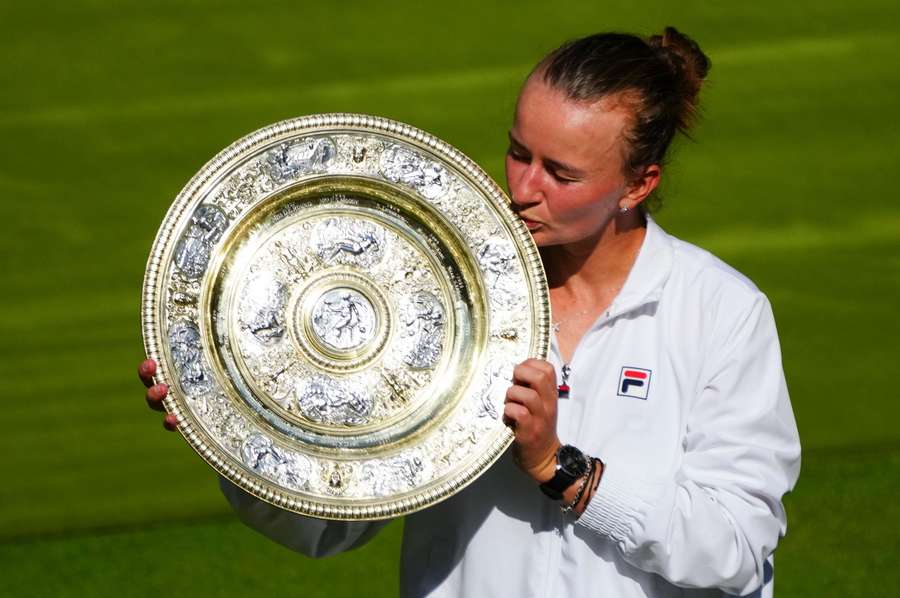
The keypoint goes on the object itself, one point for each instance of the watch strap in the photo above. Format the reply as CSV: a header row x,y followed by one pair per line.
x,y
563,478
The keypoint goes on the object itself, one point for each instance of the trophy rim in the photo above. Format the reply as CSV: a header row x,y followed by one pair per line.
x,y
152,326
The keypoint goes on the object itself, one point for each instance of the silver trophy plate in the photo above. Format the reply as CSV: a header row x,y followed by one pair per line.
x,y
337,303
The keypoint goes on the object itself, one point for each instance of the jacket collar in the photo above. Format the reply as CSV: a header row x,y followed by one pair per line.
x,y
649,273
645,282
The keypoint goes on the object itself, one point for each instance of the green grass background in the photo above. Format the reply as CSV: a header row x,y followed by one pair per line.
x,y
107,109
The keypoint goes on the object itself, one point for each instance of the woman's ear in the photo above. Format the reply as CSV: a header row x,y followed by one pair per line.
x,y
641,187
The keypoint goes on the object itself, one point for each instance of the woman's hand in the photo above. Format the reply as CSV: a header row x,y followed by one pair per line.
x,y
156,392
530,410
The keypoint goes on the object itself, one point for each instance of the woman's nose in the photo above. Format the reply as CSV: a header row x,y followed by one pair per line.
x,y
526,189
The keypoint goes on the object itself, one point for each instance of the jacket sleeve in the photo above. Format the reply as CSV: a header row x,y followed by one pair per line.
x,y
715,522
309,536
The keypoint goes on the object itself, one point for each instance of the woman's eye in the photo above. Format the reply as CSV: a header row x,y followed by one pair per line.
x,y
561,179
516,155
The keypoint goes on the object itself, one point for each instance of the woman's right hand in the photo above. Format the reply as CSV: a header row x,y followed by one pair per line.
x,y
156,393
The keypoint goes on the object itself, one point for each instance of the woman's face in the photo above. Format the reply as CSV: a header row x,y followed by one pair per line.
x,y
564,165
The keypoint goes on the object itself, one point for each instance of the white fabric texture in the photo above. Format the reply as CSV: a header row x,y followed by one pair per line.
x,y
697,458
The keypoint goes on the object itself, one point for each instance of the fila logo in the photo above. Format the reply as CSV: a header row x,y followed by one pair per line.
x,y
634,382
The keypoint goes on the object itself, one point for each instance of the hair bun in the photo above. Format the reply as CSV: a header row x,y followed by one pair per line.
x,y
689,65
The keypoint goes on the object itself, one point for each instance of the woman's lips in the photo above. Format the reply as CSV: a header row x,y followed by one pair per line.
x,y
530,224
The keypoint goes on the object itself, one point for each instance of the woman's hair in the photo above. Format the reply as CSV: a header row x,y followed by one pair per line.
x,y
657,78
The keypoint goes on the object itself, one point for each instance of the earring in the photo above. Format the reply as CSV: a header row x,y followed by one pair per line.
x,y
623,209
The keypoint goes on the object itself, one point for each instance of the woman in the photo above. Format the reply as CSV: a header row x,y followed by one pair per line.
x,y
660,429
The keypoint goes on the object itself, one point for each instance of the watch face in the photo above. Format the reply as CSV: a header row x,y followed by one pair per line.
x,y
572,461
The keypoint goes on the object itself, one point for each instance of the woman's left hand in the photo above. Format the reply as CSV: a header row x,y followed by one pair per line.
x,y
530,410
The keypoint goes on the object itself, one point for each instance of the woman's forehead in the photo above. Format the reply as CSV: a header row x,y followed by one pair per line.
x,y
550,124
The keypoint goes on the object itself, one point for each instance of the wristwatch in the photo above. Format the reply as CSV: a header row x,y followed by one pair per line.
x,y
571,464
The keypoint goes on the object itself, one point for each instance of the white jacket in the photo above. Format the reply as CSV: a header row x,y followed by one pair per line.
x,y
697,458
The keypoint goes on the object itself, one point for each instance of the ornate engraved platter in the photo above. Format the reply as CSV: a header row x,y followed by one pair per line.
x,y
337,302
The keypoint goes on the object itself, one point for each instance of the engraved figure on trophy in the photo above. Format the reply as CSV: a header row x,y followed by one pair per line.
x,y
263,313
304,156
498,263
354,246
184,343
424,321
327,401
400,384
495,258
301,265
344,319
279,385
181,300
397,474
348,241
263,457
356,154
193,250
337,477
402,165
244,187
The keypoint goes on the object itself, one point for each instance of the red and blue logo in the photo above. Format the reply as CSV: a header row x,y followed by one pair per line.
x,y
634,382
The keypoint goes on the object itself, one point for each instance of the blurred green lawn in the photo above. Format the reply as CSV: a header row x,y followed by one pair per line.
x,y
107,108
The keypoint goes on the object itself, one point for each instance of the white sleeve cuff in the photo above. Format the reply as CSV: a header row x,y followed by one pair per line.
x,y
620,506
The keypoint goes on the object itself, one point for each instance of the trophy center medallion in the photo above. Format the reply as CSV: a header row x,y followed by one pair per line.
x,y
343,319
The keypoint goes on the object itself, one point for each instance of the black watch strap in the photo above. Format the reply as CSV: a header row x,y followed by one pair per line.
x,y
571,464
